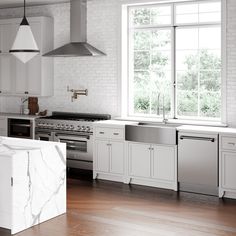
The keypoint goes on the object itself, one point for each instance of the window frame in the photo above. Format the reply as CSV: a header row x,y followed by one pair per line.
x,y
125,57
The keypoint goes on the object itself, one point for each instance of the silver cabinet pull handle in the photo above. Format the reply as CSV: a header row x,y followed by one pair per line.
x,y
101,132
231,144
116,133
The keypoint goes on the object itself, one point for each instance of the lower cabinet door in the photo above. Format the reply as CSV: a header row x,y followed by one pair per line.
x,y
102,155
164,163
139,160
228,170
117,158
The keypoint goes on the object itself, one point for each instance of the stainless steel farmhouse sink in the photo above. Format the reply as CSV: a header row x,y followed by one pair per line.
x,y
149,133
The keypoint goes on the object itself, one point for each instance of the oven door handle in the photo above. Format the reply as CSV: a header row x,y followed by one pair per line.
x,y
72,137
71,146
42,134
22,125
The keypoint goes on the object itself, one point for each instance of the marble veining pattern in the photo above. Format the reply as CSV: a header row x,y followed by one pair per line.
x,y
39,181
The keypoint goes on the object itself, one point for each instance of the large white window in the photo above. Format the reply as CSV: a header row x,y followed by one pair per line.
x,y
174,60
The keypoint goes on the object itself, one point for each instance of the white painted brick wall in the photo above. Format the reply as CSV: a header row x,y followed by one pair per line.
x,y
100,75
231,62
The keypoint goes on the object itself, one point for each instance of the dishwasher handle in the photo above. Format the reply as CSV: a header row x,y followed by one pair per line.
x,y
197,138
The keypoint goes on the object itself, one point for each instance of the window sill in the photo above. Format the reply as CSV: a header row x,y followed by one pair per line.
x,y
173,121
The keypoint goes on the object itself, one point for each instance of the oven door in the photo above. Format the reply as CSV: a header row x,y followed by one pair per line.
x,y
79,150
43,136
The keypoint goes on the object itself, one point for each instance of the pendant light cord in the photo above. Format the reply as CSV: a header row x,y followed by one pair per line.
x,y
24,8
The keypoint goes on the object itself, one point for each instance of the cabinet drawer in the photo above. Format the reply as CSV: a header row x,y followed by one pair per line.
x,y
109,133
116,133
228,143
102,132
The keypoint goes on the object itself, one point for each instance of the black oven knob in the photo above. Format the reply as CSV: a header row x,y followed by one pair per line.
x,y
58,126
72,127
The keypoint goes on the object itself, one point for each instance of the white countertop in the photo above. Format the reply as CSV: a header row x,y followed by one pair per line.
x,y
11,146
156,121
182,128
18,116
206,129
114,122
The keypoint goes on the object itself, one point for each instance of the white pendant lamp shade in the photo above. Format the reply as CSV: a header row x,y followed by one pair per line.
x,y
24,46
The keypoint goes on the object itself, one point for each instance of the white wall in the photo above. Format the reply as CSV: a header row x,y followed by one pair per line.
x,y
101,75
231,63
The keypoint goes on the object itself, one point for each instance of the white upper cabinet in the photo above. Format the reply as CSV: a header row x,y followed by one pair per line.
x,y
34,78
7,61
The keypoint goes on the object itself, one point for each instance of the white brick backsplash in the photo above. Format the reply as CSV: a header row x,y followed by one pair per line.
x,y
101,75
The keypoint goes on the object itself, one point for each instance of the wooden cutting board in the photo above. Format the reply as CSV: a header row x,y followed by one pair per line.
x,y
33,105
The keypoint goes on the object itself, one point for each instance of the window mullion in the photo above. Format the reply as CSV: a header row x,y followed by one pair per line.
x,y
198,77
173,74
150,82
173,67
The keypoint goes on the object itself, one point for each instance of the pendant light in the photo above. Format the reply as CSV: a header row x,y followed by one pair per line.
x,y
24,46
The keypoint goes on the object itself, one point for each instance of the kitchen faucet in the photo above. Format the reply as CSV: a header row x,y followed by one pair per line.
x,y
77,93
164,119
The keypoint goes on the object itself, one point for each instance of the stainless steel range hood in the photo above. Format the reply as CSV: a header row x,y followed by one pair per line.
x,y
78,47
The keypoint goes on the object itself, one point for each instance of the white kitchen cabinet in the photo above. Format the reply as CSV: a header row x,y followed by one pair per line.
x,y
139,160
164,163
116,157
109,153
228,168
227,165
132,162
110,157
152,165
102,155
7,61
3,126
34,78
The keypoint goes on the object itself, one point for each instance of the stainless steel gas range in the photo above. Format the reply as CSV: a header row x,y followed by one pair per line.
x,y
74,129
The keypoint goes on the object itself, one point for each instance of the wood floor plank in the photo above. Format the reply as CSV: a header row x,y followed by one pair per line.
x,y
103,208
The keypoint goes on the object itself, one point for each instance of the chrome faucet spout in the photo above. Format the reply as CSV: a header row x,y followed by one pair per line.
x,y
164,120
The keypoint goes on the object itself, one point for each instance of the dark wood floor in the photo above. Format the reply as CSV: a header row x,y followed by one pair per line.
x,y
111,209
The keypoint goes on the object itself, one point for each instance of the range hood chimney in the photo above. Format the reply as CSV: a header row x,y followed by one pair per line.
x,y
78,46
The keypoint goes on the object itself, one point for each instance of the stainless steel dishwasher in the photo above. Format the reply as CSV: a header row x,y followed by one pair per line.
x,y
198,163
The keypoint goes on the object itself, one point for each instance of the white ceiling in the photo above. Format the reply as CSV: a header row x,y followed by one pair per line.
x,y
19,3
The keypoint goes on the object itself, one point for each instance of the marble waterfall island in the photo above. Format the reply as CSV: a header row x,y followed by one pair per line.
x,y
32,182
